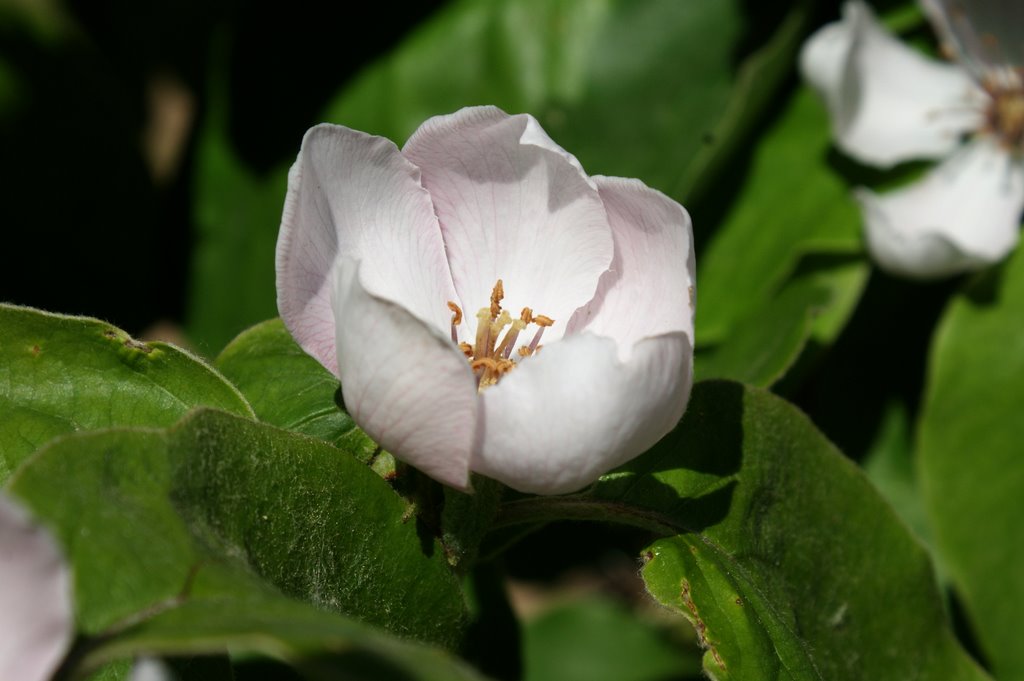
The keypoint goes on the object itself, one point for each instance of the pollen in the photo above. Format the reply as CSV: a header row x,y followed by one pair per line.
x,y
490,355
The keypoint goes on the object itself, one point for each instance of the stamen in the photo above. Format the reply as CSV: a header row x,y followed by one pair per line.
x,y
504,348
490,355
483,332
496,296
456,318
503,320
543,322
1004,118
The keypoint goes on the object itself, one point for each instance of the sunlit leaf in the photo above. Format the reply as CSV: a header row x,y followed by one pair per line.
x,y
60,374
151,519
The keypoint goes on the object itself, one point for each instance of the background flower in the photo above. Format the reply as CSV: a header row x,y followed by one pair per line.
x,y
375,242
889,104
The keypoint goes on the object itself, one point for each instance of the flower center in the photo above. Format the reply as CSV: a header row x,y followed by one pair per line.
x,y
490,356
1005,116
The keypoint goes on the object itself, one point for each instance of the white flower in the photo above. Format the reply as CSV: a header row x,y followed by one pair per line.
x,y
36,622
385,257
888,104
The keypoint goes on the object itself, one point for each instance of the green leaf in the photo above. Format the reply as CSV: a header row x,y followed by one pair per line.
x,y
147,516
778,549
792,204
289,389
814,305
792,564
60,374
969,457
598,639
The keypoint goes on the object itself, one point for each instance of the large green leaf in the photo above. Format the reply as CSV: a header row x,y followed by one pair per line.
x,y
161,509
969,457
779,550
288,388
60,374
792,204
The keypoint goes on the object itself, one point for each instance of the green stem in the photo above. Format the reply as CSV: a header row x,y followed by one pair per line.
x,y
547,509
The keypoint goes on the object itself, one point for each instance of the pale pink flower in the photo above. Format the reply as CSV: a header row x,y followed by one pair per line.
x,y
889,103
388,259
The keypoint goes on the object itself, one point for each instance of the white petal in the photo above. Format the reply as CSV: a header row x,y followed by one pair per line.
x,y
404,382
354,195
649,289
962,215
574,411
888,103
515,206
36,621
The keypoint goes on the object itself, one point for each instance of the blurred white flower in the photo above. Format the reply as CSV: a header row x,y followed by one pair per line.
x,y
425,278
888,103
36,623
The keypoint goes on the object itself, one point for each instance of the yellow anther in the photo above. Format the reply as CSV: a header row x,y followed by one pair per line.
x,y
456,313
527,315
543,320
467,349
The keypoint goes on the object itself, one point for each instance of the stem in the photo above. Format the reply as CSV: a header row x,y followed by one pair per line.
x,y
547,509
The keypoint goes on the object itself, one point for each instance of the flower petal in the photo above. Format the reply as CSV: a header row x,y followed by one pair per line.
x,y
888,103
649,288
36,620
574,410
962,215
404,382
354,195
515,206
